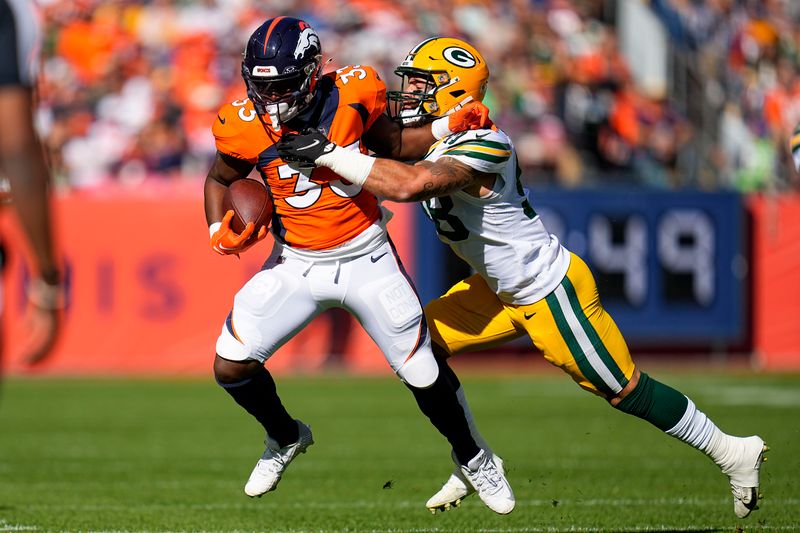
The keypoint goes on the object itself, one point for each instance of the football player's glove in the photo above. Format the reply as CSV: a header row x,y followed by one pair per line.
x,y
311,148
304,147
469,116
225,241
794,144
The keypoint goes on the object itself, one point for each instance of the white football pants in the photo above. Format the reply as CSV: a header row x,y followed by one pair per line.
x,y
289,291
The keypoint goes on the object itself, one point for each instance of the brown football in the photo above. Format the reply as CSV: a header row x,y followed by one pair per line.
x,y
250,202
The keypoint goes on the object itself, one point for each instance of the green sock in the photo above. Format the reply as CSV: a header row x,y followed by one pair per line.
x,y
655,402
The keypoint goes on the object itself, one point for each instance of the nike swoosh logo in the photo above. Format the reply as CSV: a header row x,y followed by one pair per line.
x,y
222,120
312,145
477,136
528,316
376,259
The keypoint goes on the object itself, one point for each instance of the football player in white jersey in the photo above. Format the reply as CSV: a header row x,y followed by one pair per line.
x,y
526,282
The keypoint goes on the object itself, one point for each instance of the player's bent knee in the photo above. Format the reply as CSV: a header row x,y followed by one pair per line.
x,y
420,371
231,348
227,372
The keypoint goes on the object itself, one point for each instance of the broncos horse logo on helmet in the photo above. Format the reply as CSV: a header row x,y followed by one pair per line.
x,y
454,71
281,66
307,41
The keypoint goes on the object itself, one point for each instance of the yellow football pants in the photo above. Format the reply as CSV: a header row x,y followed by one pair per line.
x,y
569,326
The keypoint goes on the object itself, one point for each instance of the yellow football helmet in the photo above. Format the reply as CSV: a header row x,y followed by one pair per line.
x,y
454,73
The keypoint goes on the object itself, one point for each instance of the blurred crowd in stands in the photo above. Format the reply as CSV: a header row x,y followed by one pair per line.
x,y
129,89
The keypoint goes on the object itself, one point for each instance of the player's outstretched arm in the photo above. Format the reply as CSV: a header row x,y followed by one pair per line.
x,y
413,183
389,139
390,179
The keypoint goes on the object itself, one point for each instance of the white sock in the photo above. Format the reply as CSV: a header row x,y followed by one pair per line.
x,y
698,431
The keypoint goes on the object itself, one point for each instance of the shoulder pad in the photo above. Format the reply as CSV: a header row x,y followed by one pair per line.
x,y
357,74
360,87
490,135
485,150
359,83
235,129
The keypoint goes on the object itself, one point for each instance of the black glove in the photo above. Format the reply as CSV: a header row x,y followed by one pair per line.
x,y
304,147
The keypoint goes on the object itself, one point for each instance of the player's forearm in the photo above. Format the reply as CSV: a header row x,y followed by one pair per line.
x,y
213,192
29,179
390,179
398,181
415,143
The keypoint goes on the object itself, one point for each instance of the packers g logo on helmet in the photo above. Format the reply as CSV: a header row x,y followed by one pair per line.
x,y
459,57
454,73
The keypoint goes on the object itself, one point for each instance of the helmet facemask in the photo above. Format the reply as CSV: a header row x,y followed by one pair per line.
x,y
282,97
418,106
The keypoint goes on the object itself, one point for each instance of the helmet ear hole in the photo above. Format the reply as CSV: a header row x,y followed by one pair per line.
x,y
457,93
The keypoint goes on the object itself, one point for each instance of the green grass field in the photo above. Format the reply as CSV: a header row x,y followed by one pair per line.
x,y
174,455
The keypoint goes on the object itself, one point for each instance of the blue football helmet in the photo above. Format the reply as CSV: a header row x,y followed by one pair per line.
x,y
281,66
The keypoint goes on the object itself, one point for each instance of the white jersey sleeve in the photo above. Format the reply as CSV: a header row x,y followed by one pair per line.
x,y
484,150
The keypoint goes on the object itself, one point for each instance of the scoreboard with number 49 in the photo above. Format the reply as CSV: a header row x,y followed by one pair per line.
x,y
670,266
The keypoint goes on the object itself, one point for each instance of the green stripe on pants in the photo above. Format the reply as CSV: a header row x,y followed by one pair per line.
x,y
574,347
592,334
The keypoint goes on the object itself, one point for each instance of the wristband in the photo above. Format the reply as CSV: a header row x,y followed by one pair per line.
x,y
45,295
212,229
440,128
351,165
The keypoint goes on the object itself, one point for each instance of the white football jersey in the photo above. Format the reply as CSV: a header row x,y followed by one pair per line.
x,y
500,235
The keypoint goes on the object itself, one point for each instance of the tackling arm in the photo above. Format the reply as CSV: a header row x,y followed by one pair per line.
x,y
390,179
389,139
413,183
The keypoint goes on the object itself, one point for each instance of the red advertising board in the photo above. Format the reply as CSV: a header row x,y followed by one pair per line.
x,y
148,296
776,280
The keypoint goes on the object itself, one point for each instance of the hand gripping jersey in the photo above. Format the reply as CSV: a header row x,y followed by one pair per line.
x,y
311,214
500,236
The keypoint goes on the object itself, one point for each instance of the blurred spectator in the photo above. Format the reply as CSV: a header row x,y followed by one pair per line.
x,y
130,88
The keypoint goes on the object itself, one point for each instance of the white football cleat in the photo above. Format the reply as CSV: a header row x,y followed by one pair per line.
x,y
455,489
744,475
490,483
273,462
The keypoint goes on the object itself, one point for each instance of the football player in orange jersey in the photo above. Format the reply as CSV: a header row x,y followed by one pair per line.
x,y
22,163
331,244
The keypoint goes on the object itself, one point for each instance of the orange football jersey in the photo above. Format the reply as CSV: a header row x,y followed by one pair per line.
x,y
311,213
